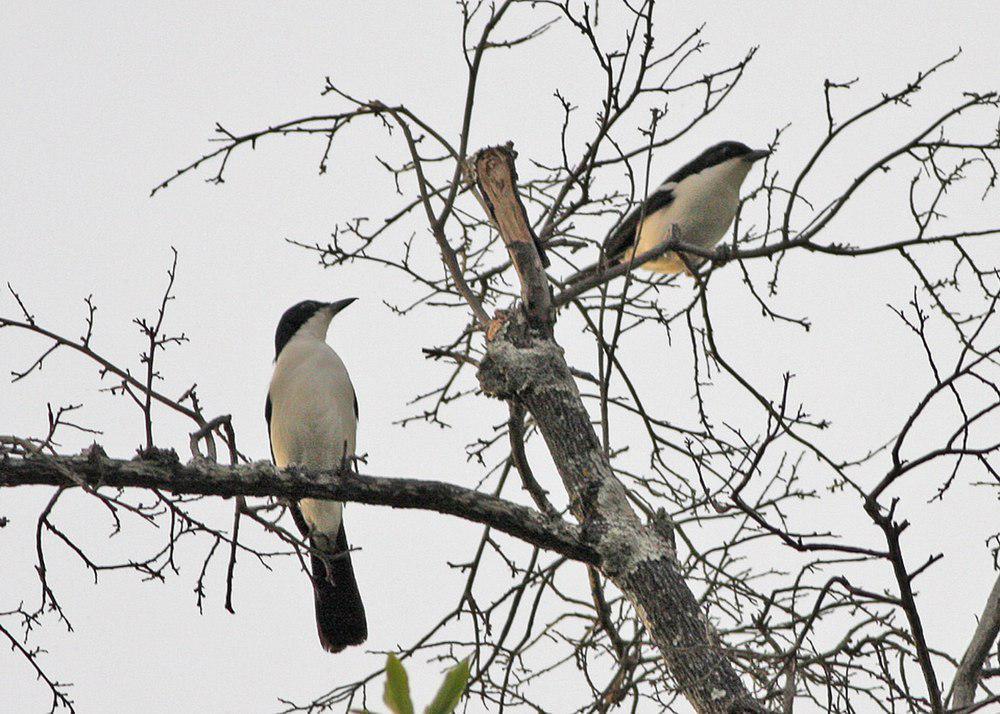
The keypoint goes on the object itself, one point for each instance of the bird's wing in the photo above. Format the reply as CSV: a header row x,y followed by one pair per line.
x,y
267,418
300,521
622,237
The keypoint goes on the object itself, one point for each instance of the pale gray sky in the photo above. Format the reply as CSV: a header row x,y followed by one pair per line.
x,y
102,101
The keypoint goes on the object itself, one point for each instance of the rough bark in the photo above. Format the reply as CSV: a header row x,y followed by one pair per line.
x,y
165,472
523,362
969,669
498,181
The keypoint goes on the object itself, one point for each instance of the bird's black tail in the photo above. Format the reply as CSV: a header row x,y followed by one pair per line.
x,y
340,614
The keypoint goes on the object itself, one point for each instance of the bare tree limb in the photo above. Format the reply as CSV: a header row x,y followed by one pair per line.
x,y
524,363
966,681
200,477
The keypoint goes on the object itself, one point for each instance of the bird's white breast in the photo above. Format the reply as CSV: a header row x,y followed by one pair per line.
x,y
703,208
312,418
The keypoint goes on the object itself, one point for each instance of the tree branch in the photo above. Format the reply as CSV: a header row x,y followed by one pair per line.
x,y
497,180
205,478
524,363
963,688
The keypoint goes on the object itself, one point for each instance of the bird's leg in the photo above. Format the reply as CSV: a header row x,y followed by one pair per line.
x,y
349,462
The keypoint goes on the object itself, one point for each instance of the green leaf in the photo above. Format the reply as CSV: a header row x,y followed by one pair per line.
x,y
397,687
451,691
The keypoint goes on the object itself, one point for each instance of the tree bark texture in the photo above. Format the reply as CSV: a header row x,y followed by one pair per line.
x,y
967,675
165,472
524,363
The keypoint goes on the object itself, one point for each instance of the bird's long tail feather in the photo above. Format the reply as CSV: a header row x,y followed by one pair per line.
x,y
340,614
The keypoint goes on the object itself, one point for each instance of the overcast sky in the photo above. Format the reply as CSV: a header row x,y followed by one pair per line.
x,y
102,101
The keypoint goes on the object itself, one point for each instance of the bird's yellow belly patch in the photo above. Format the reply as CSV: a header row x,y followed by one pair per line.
x,y
656,230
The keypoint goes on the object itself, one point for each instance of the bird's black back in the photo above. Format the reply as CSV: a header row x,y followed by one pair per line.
x,y
711,156
623,236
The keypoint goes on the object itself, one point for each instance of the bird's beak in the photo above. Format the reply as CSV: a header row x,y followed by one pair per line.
x,y
755,156
339,305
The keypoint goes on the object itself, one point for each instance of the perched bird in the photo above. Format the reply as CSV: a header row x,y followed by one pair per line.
x,y
700,198
312,420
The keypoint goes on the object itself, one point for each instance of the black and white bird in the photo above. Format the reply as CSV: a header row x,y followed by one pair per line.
x,y
312,420
701,199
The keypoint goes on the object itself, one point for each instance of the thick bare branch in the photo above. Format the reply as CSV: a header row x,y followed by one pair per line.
x,y
202,477
497,180
524,363
963,688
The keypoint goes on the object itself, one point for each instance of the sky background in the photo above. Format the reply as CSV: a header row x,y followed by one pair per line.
x,y
103,101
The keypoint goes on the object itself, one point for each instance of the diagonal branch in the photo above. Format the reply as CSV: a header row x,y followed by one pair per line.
x,y
963,688
523,363
497,180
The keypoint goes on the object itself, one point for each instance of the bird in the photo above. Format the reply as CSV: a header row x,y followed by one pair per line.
x,y
700,199
312,418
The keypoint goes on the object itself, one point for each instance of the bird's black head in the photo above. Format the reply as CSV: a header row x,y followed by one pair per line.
x,y
298,315
724,151
715,155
